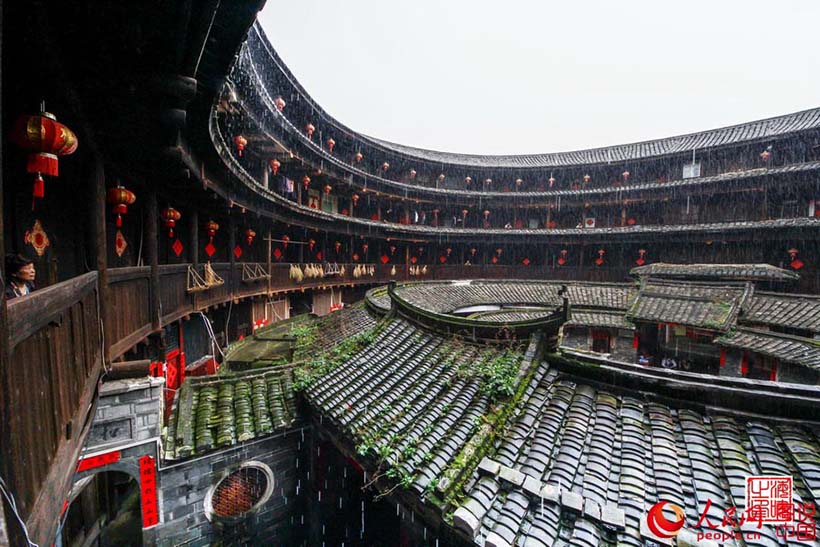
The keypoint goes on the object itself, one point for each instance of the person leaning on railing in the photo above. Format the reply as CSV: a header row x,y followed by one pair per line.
x,y
20,273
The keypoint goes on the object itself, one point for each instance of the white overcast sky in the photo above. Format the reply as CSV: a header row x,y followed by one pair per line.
x,y
528,76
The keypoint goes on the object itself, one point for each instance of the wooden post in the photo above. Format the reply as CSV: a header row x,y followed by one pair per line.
x,y
231,246
100,249
194,243
152,235
270,259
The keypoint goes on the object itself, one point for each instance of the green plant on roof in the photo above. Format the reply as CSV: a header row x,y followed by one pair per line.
x,y
327,361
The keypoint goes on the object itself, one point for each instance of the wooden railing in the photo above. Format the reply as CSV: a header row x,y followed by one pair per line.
x,y
48,394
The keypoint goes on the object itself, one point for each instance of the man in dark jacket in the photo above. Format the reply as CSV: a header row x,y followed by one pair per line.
x,y
20,276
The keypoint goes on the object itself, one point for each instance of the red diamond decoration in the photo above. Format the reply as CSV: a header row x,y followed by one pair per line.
x,y
210,249
237,252
385,259
442,259
355,257
119,243
413,259
319,255
796,264
277,254
526,261
177,247
599,261
640,262
562,261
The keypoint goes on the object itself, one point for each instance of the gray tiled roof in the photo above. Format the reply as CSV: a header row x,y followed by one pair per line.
x,y
747,132
729,272
785,310
713,306
514,315
616,296
581,465
585,318
790,349
448,296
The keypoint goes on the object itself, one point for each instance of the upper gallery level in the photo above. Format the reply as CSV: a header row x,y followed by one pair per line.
x,y
275,117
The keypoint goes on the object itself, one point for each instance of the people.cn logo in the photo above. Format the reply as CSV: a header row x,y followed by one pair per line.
x,y
661,526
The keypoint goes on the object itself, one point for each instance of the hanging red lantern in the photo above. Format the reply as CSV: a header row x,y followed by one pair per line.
x,y
285,241
328,188
552,182
625,175
170,216
274,166
210,228
435,217
631,221
412,174
365,246
385,167
337,246
766,155
330,145
641,257
120,198
306,181
249,235
355,199
392,249
240,142
309,129
795,263
562,259
311,244
280,103
45,139
600,260
358,157
464,214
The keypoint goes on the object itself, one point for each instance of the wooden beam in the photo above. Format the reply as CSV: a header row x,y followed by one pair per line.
x,y
129,369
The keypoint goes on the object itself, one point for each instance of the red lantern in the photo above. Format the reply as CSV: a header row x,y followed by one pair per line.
x,y
412,174
600,260
385,167
563,258
392,249
365,246
526,261
285,241
795,263
766,155
210,228
279,103
306,181
464,214
631,221
328,188
249,235
641,257
240,143
45,139
274,166
120,198
355,199
552,225
170,216
337,246
435,217
625,175
552,182
330,144
309,129
311,244
358,157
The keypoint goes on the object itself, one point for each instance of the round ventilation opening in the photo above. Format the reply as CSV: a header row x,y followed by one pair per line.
x,y
242,491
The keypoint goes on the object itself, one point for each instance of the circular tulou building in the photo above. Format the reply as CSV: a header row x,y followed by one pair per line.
x,y
229,319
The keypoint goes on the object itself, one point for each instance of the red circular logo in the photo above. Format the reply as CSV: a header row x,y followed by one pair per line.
x,y
659,525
